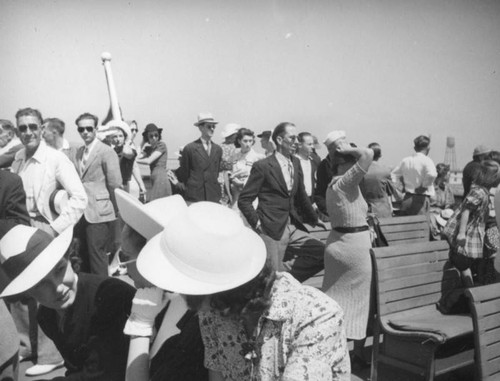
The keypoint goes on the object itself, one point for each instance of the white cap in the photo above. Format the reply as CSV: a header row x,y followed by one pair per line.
x,y
333,136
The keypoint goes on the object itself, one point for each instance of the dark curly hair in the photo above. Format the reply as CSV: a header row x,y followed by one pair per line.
x,y
252,297
241,133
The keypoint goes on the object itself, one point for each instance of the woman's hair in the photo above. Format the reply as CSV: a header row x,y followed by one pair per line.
x,y
488,175
251,297
241,133
495,155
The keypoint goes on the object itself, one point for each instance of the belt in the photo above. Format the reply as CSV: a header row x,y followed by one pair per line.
x,y
418,194
342,229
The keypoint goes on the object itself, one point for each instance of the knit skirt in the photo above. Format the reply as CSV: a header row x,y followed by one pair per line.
x,y
348,278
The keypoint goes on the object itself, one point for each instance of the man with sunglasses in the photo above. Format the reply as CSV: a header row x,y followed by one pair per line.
x,y
43,170
278,183
100,173
200,164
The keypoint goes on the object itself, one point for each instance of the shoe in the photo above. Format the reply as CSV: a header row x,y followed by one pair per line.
x,y
39,369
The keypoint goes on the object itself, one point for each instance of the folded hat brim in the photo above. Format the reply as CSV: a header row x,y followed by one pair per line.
x,y
41,265
158,269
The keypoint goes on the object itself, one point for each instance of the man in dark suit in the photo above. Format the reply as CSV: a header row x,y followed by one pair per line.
x,y
200,164
308,164
277,183
12,208
100,173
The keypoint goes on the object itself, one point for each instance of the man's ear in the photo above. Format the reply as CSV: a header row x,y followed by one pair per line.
x,y
279,139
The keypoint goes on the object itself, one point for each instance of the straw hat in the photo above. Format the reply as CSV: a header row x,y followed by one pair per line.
x,y
333,136
27,255
202,251
205,117
265,134
58,201
148,219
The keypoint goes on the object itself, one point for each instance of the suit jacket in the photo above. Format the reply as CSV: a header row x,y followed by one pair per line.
x,y
324,175
13,199
199,172
92,342
54,171
276,204
100,177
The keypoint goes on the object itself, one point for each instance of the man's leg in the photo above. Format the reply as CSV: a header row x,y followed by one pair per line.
x,y
276,249
10,369
304,255
98,237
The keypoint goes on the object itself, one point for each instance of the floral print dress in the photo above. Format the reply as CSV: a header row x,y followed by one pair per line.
x,y
300,337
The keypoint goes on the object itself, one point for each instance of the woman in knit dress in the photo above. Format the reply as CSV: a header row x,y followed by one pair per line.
x,y
154,154
348,270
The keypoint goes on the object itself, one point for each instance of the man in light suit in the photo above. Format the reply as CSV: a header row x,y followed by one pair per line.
x,y
277,182
43,170
200,164
100,173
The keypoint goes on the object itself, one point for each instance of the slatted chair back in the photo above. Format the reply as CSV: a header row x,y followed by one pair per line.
x,y
410,276
485,308
322,235
403,230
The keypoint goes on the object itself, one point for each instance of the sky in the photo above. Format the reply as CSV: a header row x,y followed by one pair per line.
x,y
382,70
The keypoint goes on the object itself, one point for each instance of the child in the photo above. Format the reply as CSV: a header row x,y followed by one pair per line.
x,y
465,230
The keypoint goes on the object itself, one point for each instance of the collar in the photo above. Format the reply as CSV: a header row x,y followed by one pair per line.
x,y
281,307
91,145
65,145
420,154
39,154
205,141
282,159
298,156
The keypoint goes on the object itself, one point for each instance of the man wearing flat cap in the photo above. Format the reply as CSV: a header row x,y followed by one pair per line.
x,y
266,143
200,164
416,174
480,153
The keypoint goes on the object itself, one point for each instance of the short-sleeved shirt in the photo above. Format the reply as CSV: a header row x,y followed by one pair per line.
x,y
300,337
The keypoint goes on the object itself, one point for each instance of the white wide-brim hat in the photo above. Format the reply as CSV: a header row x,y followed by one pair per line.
x,y
27,255
203,251
58,200
148,219
230,129
334,136
205,117
114,124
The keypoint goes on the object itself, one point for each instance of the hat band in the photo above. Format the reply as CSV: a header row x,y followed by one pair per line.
x,y
16,264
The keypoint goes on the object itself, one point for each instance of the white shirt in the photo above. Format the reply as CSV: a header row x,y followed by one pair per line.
x,y
416,171
285,164
27,172
306,170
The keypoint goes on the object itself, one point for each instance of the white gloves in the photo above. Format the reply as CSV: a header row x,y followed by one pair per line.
x,y
147,303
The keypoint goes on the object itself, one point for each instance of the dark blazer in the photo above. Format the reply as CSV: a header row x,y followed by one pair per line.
x,y
92,342
276,204
13,198
200,173
100,178
324,175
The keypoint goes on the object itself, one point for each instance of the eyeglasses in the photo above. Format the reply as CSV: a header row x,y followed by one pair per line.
x,y
24,127
88,129
134,129
209,125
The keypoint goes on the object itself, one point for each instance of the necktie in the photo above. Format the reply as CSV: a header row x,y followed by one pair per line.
x,y
85,157
290,172
208,148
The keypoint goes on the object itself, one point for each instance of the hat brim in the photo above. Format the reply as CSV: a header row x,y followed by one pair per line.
x,y
156,267
41,265
133,214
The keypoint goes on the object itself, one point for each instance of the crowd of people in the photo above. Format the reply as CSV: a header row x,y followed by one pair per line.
x,y
216,250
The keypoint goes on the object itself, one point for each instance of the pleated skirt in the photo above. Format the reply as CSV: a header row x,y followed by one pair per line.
x,y
348,278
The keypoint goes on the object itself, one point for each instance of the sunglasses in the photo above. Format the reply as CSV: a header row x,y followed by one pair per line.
x,y
134,129
88,129
24,127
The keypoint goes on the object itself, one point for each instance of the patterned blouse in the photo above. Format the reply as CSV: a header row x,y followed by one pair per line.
x,y
300,337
